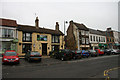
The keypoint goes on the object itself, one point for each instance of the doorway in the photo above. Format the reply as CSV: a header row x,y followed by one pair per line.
x,y
44,48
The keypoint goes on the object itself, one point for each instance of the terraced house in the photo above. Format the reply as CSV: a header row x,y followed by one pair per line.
x,y
97,39
8,35
35,38
77,36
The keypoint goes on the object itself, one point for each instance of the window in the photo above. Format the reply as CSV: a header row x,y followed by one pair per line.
x,y
87,33
107,39
83,40
110,39
55,39
27,37
99,39
82,32
104,39
91,38
9,33
94,38
87,41
41,37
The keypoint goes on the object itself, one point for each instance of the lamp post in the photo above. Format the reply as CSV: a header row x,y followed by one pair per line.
x,y
65,22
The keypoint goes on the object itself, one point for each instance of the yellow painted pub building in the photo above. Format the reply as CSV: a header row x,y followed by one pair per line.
x,y
35,38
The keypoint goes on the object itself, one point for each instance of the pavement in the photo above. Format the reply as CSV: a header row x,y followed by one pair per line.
x,y
91,68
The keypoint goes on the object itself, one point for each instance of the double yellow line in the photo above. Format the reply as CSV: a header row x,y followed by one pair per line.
x,y
106,72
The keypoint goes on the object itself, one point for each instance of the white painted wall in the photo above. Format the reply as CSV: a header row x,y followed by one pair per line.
x,y
95,38
116,38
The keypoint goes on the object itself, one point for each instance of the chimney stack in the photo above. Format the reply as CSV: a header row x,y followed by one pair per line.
x,y
37,22
57,26
109,29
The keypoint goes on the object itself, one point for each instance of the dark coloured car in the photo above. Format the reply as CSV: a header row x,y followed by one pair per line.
x,y
107,51
10,56
77,54
85,53
32,56
115,51
63,54
51,53
93,53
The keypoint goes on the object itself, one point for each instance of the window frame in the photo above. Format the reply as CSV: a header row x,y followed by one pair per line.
x,y
24,39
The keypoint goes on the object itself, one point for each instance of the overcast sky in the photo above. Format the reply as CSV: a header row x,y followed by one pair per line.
x,y
96,14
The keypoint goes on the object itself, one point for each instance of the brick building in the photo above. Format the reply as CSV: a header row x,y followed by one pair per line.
x,y
77,36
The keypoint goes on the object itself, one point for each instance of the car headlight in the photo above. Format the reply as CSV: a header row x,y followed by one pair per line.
x,y
5,59
17,58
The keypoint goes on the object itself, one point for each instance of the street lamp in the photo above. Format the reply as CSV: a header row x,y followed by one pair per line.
x,y
65,22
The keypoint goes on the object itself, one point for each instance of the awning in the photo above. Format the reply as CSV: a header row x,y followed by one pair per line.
x,y
101,44
117,44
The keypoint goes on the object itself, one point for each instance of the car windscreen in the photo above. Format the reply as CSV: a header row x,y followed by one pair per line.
x,y
101,50
92,51
10,54
35,53
67,51
78,51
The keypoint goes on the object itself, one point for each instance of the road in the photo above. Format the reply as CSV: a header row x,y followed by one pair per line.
x,y
92,67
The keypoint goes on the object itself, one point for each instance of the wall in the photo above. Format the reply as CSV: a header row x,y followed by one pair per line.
x,y
19,49
95,38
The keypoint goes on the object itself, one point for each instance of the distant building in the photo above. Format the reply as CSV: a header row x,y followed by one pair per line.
x,y
35,38
8,34
97,39
109,38
77,36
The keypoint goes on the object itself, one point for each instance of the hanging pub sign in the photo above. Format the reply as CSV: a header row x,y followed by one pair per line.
x,y
41,37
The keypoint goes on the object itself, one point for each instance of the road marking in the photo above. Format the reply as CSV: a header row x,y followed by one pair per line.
x,y
108,70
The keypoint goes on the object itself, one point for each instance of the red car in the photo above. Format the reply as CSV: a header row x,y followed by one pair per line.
x,y
100,52
10,56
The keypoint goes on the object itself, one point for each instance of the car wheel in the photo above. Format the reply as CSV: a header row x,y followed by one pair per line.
x,y
3,63
74,57
62,58
40,60
113,53
29,60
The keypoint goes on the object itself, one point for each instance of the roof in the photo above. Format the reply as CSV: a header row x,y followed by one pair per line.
x,y
81,26
27,28
8,22
98,32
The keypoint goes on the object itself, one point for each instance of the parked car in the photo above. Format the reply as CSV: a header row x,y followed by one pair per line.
x,y
51,53
63,54
100,52
32,56
77,54
85,53
93,53
107,51
115,51
10,56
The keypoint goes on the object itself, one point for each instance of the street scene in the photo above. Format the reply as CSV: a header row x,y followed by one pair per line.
x,y
92,67
60,39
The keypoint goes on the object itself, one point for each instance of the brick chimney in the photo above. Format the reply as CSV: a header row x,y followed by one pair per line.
x,y
109,29
37,22
57,26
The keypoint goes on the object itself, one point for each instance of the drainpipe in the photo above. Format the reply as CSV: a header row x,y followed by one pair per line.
x,y
78,40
